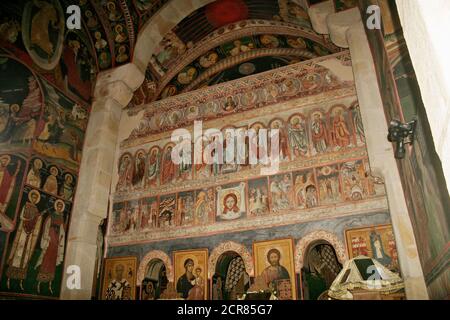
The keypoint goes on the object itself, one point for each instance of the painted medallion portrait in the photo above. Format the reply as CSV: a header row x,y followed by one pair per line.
x,y
43,24
191,274
231,202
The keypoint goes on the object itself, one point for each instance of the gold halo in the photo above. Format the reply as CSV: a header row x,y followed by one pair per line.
x,y
7,157
34,192
15,107
59,201
57,170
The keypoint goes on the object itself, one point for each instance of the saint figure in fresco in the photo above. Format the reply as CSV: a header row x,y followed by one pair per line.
x,y
119,288
341,132
184,283
67,188
319,134
168,167
7,183
153,168
51,184
34,175
275,271
125,174
139,170
298,138
52,245
25,240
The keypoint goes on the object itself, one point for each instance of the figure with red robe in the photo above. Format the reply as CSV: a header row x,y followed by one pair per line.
x,y
52,245
341,133
168,167
25,240
7,183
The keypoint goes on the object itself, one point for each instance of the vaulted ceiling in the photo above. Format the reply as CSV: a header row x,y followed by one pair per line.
x,y
219,42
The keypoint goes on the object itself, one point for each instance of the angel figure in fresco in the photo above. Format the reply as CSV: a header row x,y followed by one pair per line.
x,y
341,133
153,166
275,271
7,183
125,173
34,175
319,134
25,240
52,246
118,288
51,184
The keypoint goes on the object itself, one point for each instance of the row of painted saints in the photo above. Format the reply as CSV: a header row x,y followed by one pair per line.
x,y
51,180
281,193
40,231
298,138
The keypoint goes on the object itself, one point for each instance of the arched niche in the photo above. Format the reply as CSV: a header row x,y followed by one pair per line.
x,y
320,268
144,265
304,242
230,279
155,281
240,249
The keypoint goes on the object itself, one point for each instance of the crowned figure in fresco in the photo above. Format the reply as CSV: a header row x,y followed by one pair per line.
x,y
25,240
275,271
7,183
52,246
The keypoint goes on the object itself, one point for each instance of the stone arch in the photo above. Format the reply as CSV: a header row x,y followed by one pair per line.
x,y
159,25
155,254
230,246
304,242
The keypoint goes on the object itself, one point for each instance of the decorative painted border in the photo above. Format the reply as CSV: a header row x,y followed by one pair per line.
x,y
154,254
230,246
304,242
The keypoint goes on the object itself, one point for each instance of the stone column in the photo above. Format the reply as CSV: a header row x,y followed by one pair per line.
x,y
382,161
114,89
346,30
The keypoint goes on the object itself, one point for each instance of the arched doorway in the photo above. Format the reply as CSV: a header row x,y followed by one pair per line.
x,y
231,279
155,280
320,268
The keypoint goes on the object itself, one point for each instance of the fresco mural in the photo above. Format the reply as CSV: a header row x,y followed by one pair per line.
x,y
41,136
35,34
